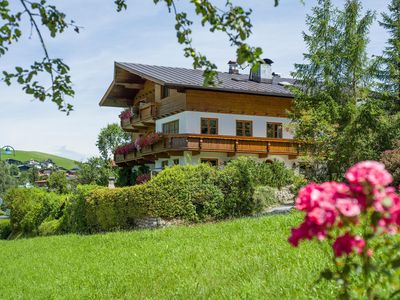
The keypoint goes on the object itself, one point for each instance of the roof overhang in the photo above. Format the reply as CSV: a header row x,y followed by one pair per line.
x,y
123,88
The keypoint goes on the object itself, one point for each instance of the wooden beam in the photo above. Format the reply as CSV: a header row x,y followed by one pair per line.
x,y
263,155
195,153
292,157
175,153
149,122
231,154
163,155
131,86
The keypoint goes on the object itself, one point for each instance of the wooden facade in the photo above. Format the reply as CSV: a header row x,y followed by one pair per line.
x,y
235,103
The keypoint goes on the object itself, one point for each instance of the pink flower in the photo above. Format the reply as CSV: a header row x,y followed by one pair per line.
x,y
348,207
369,171
307,230
125,115
347,243
314,194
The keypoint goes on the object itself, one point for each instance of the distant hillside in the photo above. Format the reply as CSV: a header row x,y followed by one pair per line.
x,y
40,156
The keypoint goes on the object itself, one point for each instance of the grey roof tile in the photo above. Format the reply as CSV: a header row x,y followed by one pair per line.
x,y
191,78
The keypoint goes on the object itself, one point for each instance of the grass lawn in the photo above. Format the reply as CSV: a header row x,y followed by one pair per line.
x,y
39,156
241,259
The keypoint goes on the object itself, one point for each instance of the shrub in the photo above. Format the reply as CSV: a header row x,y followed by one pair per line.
x,y
265,197
237,182
30,207
74,219
240,177
51,227
391,160
2,213
5,229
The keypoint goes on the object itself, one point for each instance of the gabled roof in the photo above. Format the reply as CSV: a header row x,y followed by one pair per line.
x,y
191,78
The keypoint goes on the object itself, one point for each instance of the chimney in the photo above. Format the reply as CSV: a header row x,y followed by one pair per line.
x,y
263,73
233,67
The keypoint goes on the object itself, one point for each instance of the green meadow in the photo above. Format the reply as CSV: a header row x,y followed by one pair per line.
x,y
239,259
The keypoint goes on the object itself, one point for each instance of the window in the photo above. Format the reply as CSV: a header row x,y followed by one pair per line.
x,y
274,130
164,164
209,126
210,161
171,127
165,92
244,128
176,161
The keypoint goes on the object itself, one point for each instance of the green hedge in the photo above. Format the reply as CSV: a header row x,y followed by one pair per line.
x,y
74,219
192,193
5,229
188,193
30,207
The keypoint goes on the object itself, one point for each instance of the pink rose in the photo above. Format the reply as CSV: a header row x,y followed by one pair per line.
x,y
348,207
369,171
347,243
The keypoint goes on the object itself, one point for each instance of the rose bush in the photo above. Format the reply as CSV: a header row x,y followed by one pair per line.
x,y
361,220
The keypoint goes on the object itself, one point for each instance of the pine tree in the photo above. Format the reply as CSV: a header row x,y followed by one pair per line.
x,y
389,72
353,43
318,71
332,101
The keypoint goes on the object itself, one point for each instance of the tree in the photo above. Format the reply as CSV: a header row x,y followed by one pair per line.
x,y
334,112
95,171
57,182
389,71
109,138
233,20
6,179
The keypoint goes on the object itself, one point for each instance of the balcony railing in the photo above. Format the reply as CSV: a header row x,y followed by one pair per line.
x,y
146,115
173,144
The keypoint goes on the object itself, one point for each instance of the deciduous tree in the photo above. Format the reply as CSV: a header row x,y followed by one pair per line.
x,y
109,138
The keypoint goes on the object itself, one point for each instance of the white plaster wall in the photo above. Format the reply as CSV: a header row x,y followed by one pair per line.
x,y
189,122
189,159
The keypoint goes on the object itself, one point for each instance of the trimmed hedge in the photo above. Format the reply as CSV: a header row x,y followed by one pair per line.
x,y
191,193
74,219
188,193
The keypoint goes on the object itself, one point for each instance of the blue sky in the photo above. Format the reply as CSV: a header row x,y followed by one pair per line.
x,y
142,34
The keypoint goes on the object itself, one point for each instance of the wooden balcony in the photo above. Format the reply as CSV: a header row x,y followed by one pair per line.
x,y
127,125
145,117
174,145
